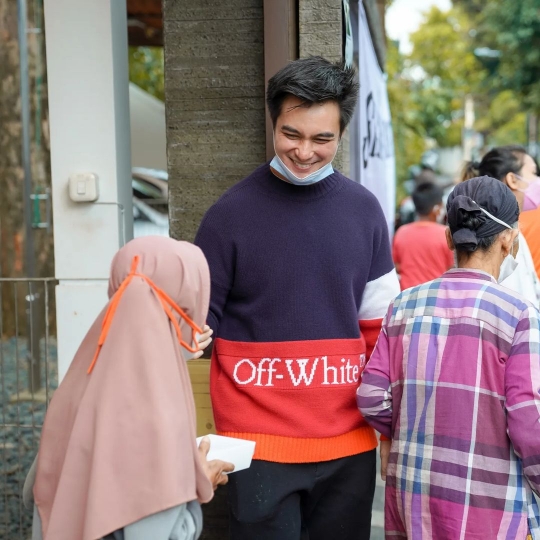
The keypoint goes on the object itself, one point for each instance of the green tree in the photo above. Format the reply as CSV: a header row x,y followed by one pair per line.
x,y
409,135
472,7
146,69
448,71
512,28
504,121
515,30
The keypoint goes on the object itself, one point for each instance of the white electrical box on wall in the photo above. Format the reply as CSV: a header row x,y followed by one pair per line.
x,y
83,187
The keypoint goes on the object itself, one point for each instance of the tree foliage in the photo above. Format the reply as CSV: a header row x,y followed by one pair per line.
x,y
449,71
409,135
512,28
504,120
146,69
427,88
442,46
473,7
446,69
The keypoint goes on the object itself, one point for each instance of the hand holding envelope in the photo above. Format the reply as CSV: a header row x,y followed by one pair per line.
x,y
215,469
221,455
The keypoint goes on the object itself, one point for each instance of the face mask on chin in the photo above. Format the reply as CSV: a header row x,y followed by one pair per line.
x,y
279,167
282,170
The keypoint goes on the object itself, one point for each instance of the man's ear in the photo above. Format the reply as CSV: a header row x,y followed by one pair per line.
x,y
449,239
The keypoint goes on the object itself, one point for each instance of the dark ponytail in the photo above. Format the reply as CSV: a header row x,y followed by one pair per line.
x,y
497,163
502,160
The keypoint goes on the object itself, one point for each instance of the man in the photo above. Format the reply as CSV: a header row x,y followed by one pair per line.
x,y
420,250
298,254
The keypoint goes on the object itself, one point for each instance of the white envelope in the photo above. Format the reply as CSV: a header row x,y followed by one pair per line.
x,y
236,451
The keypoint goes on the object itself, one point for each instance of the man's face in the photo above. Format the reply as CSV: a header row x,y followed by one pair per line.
x,y
306,138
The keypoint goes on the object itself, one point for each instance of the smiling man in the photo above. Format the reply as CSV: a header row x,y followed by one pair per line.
x,y
301,277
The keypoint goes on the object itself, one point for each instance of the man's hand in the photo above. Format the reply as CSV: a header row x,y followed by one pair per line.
x,y
215,470
384,452
204,340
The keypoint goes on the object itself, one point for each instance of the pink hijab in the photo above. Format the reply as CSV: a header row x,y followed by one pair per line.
x,y
118,444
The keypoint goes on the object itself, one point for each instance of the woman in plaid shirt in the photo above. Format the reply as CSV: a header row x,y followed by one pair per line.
x,y
454,381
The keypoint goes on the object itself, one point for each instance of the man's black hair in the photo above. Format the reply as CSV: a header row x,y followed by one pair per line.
x,y
425,197
314,80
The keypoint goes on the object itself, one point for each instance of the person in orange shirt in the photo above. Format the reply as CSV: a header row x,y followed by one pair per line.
x,y
529,219
529,225
420,250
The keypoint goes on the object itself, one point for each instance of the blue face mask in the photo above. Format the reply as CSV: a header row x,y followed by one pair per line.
x,y
312,178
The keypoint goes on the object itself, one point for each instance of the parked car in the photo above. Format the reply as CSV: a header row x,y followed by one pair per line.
x,y
150,202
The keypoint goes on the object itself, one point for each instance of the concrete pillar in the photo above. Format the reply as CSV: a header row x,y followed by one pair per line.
x,y
214,93
280,47
320,30
89,121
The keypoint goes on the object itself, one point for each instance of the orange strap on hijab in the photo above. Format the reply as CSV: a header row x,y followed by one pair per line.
x,y
166,302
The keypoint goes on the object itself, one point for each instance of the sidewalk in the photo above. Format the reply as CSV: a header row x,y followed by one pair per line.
x,y
377,519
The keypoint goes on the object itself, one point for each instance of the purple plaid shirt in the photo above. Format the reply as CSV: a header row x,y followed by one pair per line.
x,y
454,381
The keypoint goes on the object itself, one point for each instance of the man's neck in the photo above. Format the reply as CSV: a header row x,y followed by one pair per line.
x,y
429,219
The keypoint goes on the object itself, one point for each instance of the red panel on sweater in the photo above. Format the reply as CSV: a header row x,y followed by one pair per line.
x,y
370,330
303,389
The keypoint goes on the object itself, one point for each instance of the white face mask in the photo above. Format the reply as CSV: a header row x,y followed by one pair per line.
x,y
312,178
320,174
509,263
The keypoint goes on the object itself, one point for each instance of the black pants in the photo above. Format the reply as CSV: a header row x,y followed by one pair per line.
x,y
330,500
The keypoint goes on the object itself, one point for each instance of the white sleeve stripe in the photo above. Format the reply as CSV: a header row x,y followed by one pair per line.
x,y
377,296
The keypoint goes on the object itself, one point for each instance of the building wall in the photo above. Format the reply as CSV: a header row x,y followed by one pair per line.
x,y
214,89
321,34
320,29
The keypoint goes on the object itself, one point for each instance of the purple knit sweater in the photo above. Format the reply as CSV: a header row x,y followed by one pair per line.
x,y
294,269
293,262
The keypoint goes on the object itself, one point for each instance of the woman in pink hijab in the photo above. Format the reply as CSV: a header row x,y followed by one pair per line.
x,y
118,457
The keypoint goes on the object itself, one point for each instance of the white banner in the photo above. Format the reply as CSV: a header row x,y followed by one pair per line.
x,y
372,145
